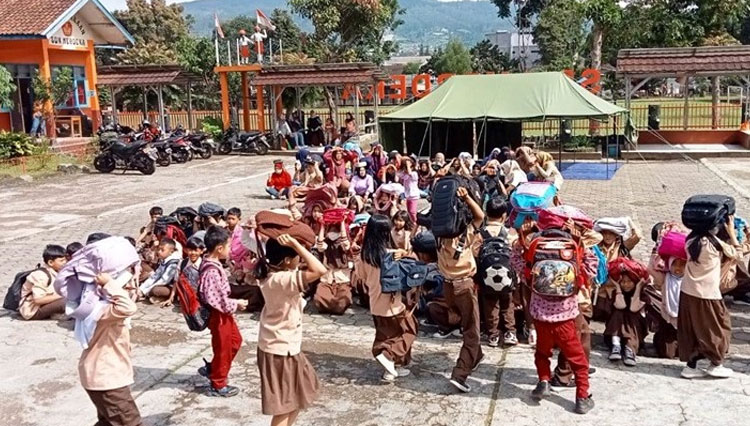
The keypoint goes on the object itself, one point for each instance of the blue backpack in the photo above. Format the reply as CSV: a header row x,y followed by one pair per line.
x,y
401,275
602,273
528,199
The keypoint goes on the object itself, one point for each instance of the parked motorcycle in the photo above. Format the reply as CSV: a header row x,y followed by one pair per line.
x,y
163,153
199,142
134,156
249,142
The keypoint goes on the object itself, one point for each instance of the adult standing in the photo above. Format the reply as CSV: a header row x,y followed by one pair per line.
x,y
315,127
540,164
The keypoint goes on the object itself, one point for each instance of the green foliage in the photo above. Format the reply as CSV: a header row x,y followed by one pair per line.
x,y
454,59
233,26
7,88
213,127
15,145
349,30
286,30
486,57
56,91
412,68
559,32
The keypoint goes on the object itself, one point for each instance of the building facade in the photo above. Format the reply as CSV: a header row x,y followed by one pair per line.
x,y
45,37
517,46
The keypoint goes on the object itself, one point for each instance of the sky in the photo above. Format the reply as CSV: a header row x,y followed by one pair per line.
x,y
120,4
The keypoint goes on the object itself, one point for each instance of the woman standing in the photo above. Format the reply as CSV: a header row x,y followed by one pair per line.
x,y
703,324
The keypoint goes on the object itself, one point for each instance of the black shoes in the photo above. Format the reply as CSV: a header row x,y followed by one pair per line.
x,y
225,392
541,391
556,383
584,405
205,371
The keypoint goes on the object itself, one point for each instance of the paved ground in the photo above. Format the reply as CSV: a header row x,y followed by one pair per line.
x,y
38,360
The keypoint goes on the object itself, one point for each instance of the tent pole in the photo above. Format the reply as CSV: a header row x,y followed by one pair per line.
x,y
474,136
484,126
403,137
606,139
429,130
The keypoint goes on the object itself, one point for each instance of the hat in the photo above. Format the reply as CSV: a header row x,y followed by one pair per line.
x,y
273,225
278,162
361,164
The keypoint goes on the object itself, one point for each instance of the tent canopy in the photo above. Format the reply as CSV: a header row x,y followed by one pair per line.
x,y
508,97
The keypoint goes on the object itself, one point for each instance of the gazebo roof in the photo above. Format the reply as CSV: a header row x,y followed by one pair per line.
x,y
693,61
143,75
321,74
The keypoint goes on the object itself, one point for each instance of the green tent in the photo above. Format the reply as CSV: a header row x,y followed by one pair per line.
x,y
506,97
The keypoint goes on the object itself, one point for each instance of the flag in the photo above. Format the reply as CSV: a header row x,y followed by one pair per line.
x,y
263,20
217,26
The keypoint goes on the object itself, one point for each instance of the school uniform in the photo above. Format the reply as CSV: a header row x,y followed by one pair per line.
x,y
703,324
333,294
395,326
288,380
554,321
225,335
628,324
498,309
461,294
39,284
105,367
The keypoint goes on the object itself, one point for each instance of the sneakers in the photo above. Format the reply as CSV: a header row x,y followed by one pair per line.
x,y
389,366
510,339
616,353
719,371
225,392
402,372
460,385
493,342
440,334
532,338
426,322
541,391
629,357
584,405
205,371
592,370
742,300
692,373
479,362
556,383
273,197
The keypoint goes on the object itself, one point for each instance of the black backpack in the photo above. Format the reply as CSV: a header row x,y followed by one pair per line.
x,y
494,266
401,275
450,214
13,296
702,213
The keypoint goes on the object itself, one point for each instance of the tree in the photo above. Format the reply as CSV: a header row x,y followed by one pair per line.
x,y
287,31
54,92
157,29
233,26
7,88
455,59
486,57
559,32
412,68
430,66
603,14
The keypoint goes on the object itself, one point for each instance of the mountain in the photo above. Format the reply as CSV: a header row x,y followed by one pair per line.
x,y
429,22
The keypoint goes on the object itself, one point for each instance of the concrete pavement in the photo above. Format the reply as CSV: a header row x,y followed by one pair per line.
x,y
39,360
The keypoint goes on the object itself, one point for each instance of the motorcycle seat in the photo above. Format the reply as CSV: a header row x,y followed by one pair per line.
x,y
247,135
126,149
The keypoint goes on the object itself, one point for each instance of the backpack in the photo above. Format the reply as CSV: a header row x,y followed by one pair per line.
x,y
401,275
702,213
494,263
554,264
556,217
454,215
195,311
13,297
602,273
528,199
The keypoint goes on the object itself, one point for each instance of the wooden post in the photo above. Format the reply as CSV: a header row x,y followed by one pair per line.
x,y
686,106
376,98
160,97
145,103
715,113
356,106
224,85
190,125
245,102
114,104
261,108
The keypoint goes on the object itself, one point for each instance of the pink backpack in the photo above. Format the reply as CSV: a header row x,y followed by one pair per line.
x,y
673,245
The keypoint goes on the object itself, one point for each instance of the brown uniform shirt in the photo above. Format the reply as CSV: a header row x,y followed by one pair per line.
x,y
463,267
281,319
38,284
381,304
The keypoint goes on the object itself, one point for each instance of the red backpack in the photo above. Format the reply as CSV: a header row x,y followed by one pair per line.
x,y
554,264
196,313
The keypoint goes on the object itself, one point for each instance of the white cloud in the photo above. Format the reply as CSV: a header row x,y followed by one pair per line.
x,y
120,4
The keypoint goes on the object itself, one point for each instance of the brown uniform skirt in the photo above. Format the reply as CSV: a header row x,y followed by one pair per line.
x,y
394,337
703,328
287,383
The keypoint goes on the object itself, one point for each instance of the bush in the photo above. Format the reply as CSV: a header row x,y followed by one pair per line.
x,y
16,145
213,127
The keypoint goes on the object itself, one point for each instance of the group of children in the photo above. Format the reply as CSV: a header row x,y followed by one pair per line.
x,y
333,247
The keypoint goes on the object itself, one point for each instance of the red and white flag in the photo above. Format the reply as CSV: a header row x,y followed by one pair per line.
x,y
263,20
217,26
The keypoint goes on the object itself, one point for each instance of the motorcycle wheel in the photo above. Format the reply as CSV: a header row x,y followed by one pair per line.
x,y
104,163
207,153
145,164
164,159
225,148
181,157
262,148
191,156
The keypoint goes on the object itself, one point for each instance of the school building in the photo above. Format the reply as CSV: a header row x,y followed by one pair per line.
x,y
45,37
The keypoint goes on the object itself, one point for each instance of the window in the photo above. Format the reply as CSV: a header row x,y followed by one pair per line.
x,y
78,97
21,70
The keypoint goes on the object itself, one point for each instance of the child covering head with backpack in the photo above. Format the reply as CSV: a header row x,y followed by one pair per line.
x,y
395,326
288,381
498,307
334,292
627,325
38,299
214,291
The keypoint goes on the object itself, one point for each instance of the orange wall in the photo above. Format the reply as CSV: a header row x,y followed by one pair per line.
x,y
21,51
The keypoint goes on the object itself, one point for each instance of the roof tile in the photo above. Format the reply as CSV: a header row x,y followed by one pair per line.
x,y
30,17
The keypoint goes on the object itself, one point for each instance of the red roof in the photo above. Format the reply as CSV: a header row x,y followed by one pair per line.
x,y
142,75
320,74
30,17
719,60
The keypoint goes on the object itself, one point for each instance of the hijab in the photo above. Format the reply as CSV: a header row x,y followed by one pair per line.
x,y
671,292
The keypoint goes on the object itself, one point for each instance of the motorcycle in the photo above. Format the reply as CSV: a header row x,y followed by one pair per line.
x,y
249,142
200,144
163,153
135,156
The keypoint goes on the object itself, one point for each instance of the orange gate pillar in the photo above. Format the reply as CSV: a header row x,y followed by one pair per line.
x,y
245,102
225,118
261,108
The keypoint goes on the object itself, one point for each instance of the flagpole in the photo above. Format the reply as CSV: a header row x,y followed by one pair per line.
x,y
216,47
281,49
270,50
229,53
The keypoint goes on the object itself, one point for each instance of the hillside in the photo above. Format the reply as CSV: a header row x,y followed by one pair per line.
x,y
431,22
